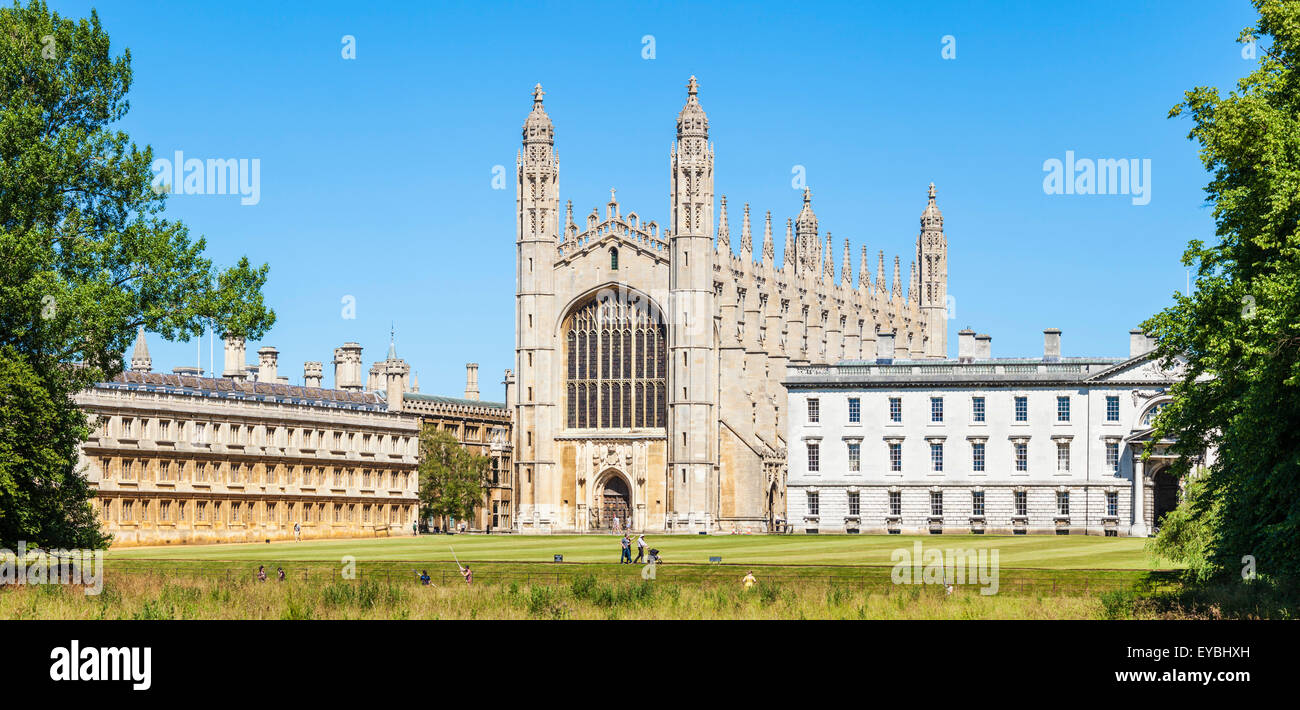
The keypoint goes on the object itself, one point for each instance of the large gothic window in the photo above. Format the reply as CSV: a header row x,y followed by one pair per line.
x,y
616,366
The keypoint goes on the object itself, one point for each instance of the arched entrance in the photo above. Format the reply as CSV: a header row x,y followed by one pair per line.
x,y
1164,494
613,502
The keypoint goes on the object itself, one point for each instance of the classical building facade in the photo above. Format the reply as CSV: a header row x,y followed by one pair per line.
x,y
980,444
649,362
482,427
180,458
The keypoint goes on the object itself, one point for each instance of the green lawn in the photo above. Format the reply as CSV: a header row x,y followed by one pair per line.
x,y
1015,552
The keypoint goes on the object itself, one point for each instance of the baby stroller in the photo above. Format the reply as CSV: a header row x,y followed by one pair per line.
x,y
654,557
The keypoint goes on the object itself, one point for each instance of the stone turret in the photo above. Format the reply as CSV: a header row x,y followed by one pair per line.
x,y
267,359
140,360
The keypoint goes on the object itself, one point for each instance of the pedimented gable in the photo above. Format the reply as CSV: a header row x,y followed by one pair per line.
x,y
1144,368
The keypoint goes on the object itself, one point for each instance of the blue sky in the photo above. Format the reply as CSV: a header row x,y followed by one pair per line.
x,y
376,172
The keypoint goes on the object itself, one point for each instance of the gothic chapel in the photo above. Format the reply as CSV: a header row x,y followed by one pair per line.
x,y
649,360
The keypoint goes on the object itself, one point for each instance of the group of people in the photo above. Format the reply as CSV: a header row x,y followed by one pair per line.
x,y
626,558
261,573
465,572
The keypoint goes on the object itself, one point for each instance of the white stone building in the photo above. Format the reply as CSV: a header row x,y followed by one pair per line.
x,y
978,444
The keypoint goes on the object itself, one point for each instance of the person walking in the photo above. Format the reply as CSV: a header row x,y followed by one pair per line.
x,y
627,551
279,573
616,525
640,548
749,580
297,532
261,573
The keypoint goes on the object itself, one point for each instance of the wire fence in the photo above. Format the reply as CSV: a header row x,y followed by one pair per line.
x,y
875,580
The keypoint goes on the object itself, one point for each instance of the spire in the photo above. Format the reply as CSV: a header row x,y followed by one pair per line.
x,y
392,330
898,283
568,219
537,127
864,276
828,261
691,122
789,259
913,288
140,360
809,247
846,267
769,249
724,232
746,240
880,274
931,218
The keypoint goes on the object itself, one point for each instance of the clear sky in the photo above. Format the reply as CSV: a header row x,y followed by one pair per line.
x,y
376,172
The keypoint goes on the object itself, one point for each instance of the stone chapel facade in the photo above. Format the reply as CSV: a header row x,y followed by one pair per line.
x,y
649,362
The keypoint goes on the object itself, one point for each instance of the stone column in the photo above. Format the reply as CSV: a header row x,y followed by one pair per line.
x,y
1139,528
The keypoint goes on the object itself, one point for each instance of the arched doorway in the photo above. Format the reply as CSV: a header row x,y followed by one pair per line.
x,y
614,502
1164,493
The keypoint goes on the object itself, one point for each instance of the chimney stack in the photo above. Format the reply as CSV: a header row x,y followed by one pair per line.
x,y
965,345
266,364
983,346
1052,344
471,380
1139,343
347,367
312,374
884,346
234,368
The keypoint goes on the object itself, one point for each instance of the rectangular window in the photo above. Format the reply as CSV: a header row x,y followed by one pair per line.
x,y
855,410
1112,504
895,503
936,504
1063,502
1022,504
1112,455
814,411
855,456
977,456
936,409
895,409
1022,409
813,505
936,457
1112,408
854,505
1063,409
1062,456
814,456
895,456
977,409
1022,457
977,503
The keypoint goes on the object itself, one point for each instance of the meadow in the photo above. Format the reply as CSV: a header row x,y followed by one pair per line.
x,y
829,577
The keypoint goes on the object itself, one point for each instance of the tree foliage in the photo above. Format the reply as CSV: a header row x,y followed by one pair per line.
x,y
86,256
453,479
1240,329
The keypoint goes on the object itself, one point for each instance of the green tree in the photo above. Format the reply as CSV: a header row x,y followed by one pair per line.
x,y
453,479
1240,330
86,256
